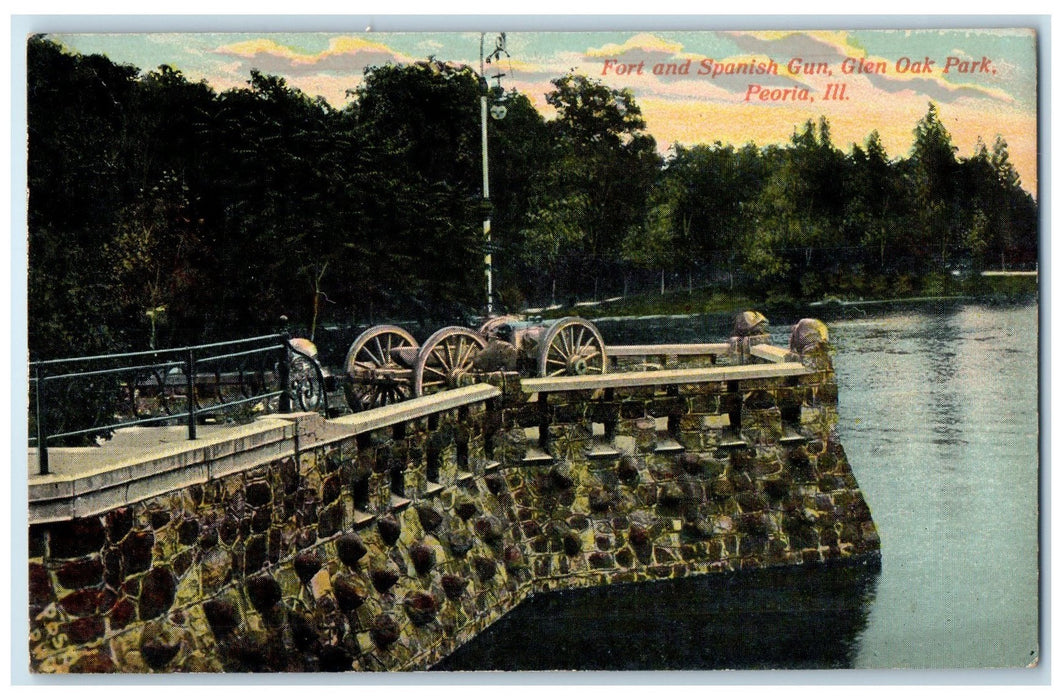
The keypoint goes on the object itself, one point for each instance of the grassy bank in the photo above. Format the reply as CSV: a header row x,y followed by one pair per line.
x,y
1003,286
651,304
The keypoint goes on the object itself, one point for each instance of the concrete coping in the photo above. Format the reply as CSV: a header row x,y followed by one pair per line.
x,y
698,375
419,407
140,462
668,349
771,353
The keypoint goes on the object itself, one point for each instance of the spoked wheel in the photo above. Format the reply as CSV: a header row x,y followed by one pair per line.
x,y
374,366
445,359
571,347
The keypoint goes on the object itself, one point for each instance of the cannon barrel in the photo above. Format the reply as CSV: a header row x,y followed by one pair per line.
x,y
563,347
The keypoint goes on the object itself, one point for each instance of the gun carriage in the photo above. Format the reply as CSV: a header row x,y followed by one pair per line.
x,y
385,364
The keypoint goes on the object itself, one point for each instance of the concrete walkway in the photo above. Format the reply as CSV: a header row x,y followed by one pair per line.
x,y
140,463
139,445
143,462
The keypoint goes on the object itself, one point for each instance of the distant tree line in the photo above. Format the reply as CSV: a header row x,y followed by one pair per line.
x,y
162,212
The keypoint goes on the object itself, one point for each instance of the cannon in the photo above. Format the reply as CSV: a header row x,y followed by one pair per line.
x,y
385,364
566,347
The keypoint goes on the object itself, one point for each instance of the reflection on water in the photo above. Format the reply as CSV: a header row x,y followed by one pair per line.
x,y
939,417
791,618
943,441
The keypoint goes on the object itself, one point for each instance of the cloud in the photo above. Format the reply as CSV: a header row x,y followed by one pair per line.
x,y
834,47
344,54
641,43
665,69
936,89
810,46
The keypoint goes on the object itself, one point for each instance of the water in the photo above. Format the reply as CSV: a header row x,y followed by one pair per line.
x,y
939,418
793,618
938,408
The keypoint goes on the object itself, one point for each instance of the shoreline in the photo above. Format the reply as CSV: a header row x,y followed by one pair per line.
x,y
646,307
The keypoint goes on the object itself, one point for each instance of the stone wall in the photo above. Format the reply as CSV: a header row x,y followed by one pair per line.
x,y
388,548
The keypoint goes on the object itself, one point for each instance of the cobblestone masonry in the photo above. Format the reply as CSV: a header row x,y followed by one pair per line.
x,y
388,550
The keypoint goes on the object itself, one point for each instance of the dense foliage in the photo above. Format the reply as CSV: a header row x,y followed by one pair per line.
x,y
164,213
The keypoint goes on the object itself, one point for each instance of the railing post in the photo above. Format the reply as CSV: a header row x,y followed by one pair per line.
x,y
733,387
190,371
285,376
792,409
42,432
543,420
398,467
612,418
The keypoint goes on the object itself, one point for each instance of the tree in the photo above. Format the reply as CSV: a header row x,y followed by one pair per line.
x,y
603,157
151,255
1018,226
713,188
803,205
522,205
82,154
419,131
269,203
653,247
933,173
996,212
873,208
553,227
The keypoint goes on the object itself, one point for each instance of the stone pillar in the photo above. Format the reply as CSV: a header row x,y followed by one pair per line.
x,y
750,328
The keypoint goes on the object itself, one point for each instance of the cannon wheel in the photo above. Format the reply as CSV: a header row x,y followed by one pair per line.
x,y
572,346
445,358
368,355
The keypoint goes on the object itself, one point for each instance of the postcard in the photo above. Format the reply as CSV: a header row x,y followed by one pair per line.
x,y
521,350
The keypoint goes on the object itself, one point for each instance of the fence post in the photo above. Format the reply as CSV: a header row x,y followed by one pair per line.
x,y
543,420
190,373
733,388
42,432
285,375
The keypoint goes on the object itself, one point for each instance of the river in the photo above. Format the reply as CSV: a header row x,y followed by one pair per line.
x,y
939,417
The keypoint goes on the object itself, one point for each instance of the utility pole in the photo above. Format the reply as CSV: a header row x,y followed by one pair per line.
x,y
497,113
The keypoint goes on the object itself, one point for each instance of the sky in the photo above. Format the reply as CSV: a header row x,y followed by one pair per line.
x,y
693,87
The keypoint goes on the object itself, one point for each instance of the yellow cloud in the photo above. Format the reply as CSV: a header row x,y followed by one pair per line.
x,y
645,42
836,39
351,44
255,47
337,46
516,66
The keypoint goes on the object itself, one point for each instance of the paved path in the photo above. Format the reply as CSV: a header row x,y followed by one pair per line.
x,y
139,444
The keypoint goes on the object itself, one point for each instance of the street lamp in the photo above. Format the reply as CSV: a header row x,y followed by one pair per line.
x,y
497,112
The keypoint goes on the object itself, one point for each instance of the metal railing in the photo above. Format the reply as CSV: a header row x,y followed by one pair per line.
x,y
82,398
